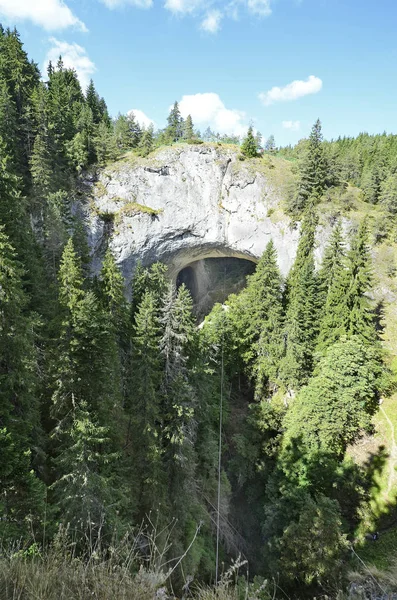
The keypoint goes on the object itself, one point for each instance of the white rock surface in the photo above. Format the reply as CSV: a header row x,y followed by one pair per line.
x,y
211,205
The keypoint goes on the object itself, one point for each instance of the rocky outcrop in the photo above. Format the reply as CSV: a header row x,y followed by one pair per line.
x,y
189,203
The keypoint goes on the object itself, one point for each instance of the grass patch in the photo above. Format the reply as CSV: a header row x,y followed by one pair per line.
x,y
381,553
100,190
133,208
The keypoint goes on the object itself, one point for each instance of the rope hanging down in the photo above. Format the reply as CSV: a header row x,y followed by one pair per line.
x,y
220,449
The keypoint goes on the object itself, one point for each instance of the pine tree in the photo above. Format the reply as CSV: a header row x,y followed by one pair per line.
x,y
144,408
87,498
146,143
333,260
301,327
21,493
337,404
94,102
347,308
135,130
115,305
313,170
270,145
175,126
179,400
188,129
77,153
86,365
388,194
361,321
123,133
249,147
105,144
41,168
257,317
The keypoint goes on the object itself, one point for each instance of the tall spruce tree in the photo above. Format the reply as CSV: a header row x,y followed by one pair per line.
x,y
347,309
257,317
249,146
175,126
20,432
188,129
178,399
146,142
301,322
144,408
313,170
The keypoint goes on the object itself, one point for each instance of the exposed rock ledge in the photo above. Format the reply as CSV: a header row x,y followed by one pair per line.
x,y
202,202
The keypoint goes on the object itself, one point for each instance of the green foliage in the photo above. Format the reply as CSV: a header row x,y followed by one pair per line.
x,y
388,194
188,129
313,171
347,309
146,143
337,404
249,146
313,546
256,316
301,319
84,489
175,128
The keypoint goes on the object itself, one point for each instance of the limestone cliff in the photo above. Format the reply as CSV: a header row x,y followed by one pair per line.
x,y
188,203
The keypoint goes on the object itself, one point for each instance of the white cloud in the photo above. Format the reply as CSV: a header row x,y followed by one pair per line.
x,y
212,11
50,14
212,21
292,91
143,120
208,109
184,6
74,57
118,3
292,125
260,7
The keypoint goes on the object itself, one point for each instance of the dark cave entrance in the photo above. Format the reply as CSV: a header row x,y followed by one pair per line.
x,y
212,280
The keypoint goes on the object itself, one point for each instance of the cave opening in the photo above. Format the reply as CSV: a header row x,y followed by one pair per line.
x,y
212,280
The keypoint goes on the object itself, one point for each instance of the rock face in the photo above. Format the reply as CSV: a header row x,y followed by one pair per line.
x,y
186,204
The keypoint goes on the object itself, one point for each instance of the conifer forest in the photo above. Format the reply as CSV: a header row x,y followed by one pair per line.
x,y
147,453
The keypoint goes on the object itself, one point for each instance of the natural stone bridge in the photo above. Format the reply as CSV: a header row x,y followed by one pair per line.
x,y
186,204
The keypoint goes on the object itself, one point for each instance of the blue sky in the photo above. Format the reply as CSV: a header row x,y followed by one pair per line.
x,y
278,63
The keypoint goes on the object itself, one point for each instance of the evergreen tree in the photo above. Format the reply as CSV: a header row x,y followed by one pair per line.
x,y
333,260
41,167
84,489
178,398
144,408
86,366
123,133
337,404
146,143
135,130
249,147
94,102
388,194
361,320
115,306
105,144
257,315
77,153
188,129
313,170
270,145
301,327
175,126
21,493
